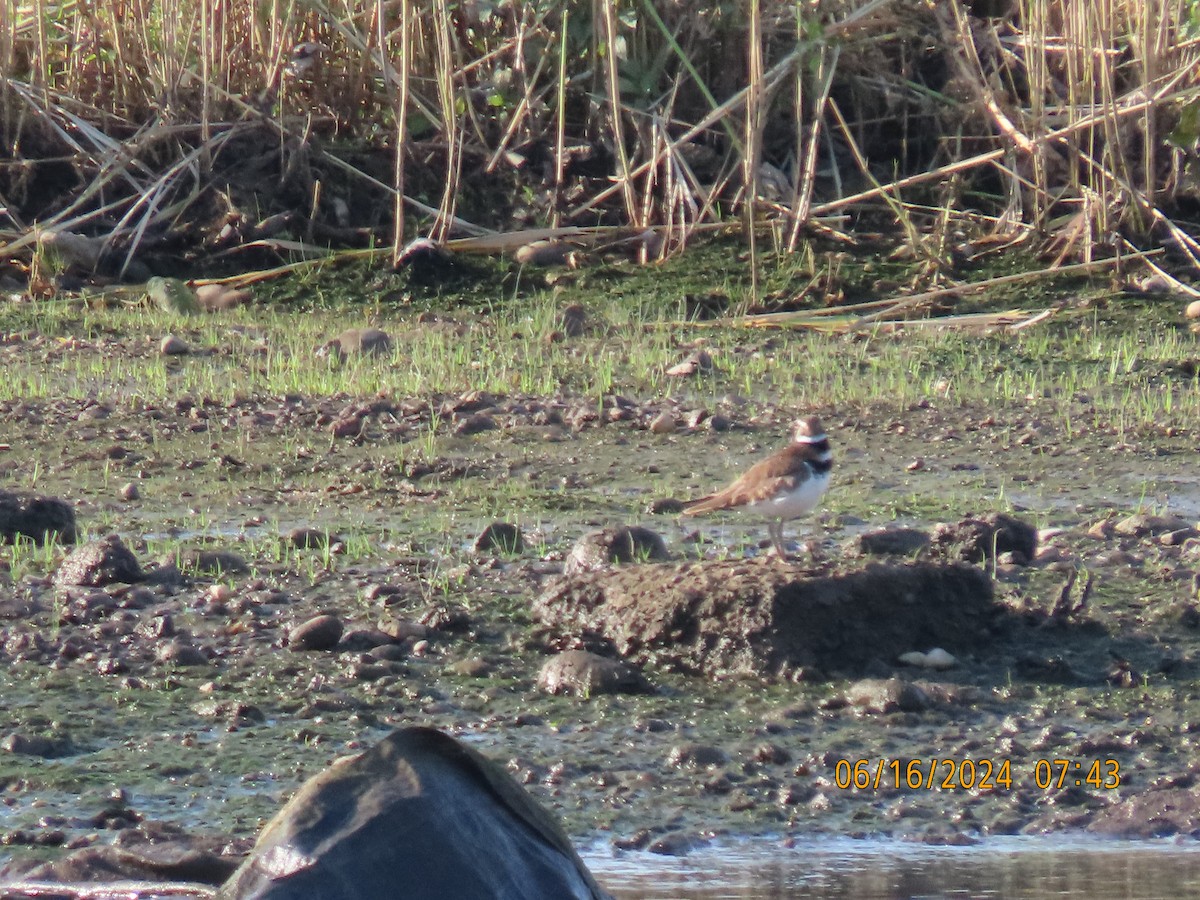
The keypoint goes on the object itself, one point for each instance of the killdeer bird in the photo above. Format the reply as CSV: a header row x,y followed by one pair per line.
x,y
785,485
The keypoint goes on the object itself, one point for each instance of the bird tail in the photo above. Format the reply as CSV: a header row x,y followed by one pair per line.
x,y
701,505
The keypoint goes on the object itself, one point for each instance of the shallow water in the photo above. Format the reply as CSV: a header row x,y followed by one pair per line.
x,y
1036,868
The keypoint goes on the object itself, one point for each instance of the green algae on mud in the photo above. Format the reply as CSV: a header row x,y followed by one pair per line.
x,y
1088,415
1128,358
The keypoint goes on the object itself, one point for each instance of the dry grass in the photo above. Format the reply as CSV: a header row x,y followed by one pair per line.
x,y
1068,125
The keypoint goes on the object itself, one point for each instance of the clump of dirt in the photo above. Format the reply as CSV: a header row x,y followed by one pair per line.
x,y
758,616
35,517
975,539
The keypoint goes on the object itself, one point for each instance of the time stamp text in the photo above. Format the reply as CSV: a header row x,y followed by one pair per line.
x,y
946,774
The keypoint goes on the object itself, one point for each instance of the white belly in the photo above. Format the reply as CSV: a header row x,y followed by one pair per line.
x,y
795,503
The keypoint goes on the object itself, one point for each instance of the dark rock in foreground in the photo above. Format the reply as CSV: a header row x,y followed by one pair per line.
x,y
35,517
98,563
760,616
419,814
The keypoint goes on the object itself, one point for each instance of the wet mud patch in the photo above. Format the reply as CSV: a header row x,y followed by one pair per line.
x,y
762,616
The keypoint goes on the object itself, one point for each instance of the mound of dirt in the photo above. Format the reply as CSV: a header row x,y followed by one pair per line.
x,y
757,616
35,517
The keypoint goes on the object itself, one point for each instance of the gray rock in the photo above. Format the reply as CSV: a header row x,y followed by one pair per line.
x,y
76,250
584,674
172,295
213,562
152,851
1178,537
500,537
676,843
883,696
426,261
475,424
360,639
318,633
44,746
663,423
310,538
609,546
471,667
179,653
419,814
544,253
890,541
573,320
173,346
1156,813
99,563
358,342
218,297
1143,524
975,539
35,517
696,756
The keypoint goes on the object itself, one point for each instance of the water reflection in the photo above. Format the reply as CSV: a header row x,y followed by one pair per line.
x,y
1032,868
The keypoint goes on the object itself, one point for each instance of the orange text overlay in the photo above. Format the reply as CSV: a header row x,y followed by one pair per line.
x,y
946,774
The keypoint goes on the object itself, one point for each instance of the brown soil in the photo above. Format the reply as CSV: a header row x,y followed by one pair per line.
x,y
764,616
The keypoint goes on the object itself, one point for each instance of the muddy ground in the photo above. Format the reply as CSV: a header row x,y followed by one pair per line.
x,y
188,700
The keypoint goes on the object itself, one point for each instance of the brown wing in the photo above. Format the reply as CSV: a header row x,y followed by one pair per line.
x,y
780,471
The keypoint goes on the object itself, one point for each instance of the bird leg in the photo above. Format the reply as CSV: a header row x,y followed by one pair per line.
x,y
775,530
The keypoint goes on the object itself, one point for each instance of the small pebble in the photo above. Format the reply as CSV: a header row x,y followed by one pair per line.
x,y
664,423
173,346
719,422
318,633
